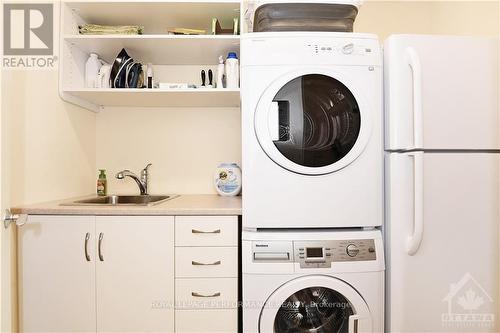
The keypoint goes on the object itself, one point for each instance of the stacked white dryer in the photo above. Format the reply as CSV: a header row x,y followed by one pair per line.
x,y
312,130
313,182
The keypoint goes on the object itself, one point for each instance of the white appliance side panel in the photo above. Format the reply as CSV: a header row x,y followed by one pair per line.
x,y
455,270
460,92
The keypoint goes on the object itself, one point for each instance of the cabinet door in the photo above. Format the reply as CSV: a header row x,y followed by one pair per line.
x,y
135,274
56,277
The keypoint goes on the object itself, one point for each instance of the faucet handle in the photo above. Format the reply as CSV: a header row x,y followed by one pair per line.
x,y
145,170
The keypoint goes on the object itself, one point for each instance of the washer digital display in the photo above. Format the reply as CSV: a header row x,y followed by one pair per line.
x,y
314,252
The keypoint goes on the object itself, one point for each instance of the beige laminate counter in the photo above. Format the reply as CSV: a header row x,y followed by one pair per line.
x,y
203,204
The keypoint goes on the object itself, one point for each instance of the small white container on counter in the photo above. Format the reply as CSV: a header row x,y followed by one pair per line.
x,y
228,179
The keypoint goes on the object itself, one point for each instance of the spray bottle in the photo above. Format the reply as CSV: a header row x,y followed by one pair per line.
x,y
220,73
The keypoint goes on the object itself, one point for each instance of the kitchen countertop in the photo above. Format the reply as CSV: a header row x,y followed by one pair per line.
x,y
200,204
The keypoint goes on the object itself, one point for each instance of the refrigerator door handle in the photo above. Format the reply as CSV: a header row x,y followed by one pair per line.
x,y
413,241
416,69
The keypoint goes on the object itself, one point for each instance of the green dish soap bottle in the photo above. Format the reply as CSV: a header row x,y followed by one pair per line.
x,y
102,186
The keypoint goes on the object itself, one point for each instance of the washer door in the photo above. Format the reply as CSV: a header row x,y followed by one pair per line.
x,y
312,122
316,303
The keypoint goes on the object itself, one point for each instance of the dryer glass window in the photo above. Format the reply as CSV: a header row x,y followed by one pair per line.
x,y
315,309
318,120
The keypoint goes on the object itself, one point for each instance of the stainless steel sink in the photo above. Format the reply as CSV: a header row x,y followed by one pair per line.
x,y
119,200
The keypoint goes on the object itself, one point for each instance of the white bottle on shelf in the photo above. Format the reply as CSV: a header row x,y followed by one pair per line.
x,y
220,73
92,67
232,71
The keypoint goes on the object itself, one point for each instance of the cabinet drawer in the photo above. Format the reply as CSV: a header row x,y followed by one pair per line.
x,y
206,231
201,321
206,262
214,293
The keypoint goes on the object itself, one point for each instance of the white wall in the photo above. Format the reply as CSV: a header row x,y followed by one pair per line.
x,y
475,18
49,145
185,145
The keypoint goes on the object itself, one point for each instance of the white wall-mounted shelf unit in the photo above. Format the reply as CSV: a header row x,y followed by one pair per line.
x,y
155,16
155,46
158,49
159,97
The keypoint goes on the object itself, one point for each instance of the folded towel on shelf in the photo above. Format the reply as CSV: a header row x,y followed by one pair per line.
x,y
95,29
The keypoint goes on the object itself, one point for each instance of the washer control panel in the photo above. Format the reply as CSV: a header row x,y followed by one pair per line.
x,y
321,254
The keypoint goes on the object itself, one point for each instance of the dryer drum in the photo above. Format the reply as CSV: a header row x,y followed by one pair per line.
x,y
319,120
316,309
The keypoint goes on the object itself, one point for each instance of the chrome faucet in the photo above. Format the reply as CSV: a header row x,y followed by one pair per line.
x,y
142,182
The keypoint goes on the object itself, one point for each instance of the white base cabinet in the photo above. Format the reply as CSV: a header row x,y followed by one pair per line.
x,y
96,274
206,274
57,282
134,276
206,321
117,274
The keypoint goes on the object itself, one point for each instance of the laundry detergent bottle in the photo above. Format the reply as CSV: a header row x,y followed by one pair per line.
x,y
232,71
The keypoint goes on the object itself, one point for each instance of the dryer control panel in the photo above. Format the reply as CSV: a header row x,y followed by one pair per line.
x,y
314,253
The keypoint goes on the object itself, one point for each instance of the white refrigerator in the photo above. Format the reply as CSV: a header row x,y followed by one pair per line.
x,y
442,183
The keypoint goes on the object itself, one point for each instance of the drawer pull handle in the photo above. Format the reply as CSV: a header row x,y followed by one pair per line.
x,y
194,231
196,263
200,295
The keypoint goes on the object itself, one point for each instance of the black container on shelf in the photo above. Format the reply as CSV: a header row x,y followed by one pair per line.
x,y
304,17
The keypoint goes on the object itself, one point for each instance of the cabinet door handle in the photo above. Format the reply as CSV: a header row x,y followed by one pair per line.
x,y
101,257
200,295
196,263
194,231
86,248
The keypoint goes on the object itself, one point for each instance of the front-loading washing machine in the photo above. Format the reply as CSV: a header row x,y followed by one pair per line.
x,y
311,130
313,281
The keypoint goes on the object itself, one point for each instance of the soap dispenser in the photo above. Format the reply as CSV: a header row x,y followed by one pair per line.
x,y
102,186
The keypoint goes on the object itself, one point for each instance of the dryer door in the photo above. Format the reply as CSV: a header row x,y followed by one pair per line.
x,y
313,122
315,303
